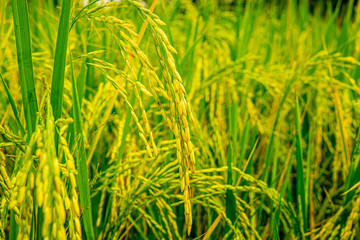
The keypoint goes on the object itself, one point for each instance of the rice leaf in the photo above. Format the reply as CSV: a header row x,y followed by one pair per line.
x,y
13,106
58,77
82,177
24,57
300,185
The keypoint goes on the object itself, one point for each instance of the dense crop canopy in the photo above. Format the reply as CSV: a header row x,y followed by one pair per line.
x,y
179,119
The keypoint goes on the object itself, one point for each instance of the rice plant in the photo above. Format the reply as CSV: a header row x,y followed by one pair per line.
x,y
179,119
